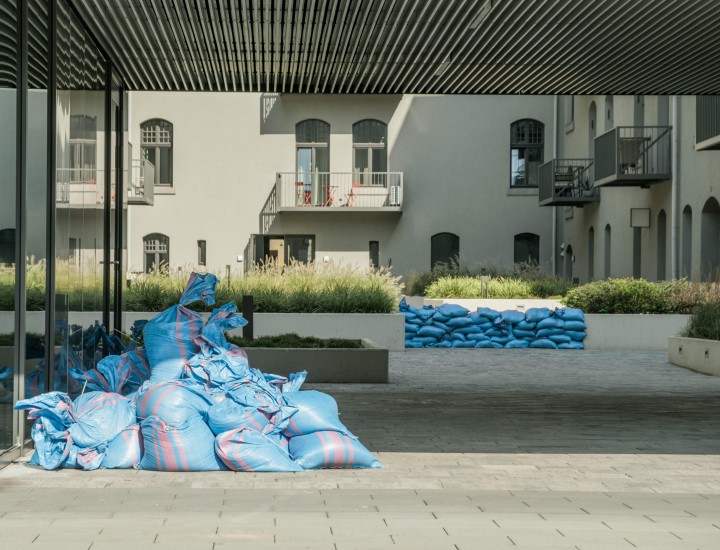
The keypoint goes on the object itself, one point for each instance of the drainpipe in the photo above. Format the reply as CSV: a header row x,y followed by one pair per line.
x,y
675,182
553,262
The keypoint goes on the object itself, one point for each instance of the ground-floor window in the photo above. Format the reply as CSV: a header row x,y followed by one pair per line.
x,y
282,249
527,249
444,247
157,252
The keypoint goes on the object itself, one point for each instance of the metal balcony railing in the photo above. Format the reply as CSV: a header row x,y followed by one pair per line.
x,y
380,191
141,187
567,182
80,187
633,155
707,122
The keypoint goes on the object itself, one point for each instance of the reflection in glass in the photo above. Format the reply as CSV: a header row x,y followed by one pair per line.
x,y
8,106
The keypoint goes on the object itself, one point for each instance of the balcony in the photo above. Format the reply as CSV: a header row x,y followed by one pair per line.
x,y
80,188
632,156
707,122
141,187
567,182
338,192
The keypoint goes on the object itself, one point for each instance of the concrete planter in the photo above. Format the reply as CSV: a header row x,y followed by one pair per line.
x,y
366,365
695,354
386,330
615,331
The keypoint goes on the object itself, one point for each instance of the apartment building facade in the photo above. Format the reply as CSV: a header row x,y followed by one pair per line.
x,y
401,180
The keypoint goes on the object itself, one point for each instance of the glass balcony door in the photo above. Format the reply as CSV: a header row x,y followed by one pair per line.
x,y
313,165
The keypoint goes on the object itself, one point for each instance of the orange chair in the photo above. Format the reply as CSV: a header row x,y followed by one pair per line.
x,y
304,197
352,195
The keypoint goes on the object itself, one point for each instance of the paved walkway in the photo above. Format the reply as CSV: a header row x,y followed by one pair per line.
x,y
483,448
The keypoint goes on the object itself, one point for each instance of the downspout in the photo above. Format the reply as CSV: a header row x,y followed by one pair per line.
x,y
553,262
675,182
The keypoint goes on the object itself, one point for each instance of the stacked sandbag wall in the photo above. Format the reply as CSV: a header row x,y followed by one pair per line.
x,y
453,326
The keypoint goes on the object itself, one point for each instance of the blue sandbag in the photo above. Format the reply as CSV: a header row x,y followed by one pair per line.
x,y
543,343
502,339
125,450
547,332
488,313
227,415
485,344
466,344
487,325
478,336
523,333
176,401
526,325
424,340
122,374
443,326
496,345
316,411
443,344
409,315
424,313
475,317
414,321
550,322
189,447
452,310
403,306
456,337
516,344
560,339
578,336
215,366
330,450
256,392
496,332
457,322
575,325
411,328
512,317
99,417
246,450
571,345
570,314
537,314
169,336
470,329
439,317
411,344
432,332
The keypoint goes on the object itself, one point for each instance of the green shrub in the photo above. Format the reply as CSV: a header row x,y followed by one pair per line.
x,y
705,322
292,340
498,287
621,296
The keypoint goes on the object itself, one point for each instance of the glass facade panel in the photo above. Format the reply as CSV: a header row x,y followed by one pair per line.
x,y
8,181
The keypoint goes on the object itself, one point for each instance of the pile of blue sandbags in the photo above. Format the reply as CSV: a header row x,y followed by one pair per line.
x,y
189,401
453,326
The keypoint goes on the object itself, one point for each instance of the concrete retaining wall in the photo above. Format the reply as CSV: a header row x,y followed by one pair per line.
x,y
632,332
695,354
516,304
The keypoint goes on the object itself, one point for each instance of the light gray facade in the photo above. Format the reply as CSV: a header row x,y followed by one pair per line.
x,y
453,153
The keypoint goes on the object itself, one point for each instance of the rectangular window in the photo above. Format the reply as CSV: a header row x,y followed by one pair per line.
x,y
202,250
300,248
374,254
569,108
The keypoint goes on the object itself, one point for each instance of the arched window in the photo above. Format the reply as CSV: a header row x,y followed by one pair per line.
x,y
608,249
156,144
609,113
156,247
710,239
661,245
591,254
687,241
312,138
370,152
444,247
527,146
527,249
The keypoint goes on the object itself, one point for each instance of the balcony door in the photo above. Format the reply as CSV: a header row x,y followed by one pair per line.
x,y
313,158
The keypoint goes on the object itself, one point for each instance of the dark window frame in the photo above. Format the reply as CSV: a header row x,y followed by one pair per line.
x,y
531,241
527,137
153,244
160,140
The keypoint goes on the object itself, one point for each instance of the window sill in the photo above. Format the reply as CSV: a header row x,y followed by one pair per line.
x,y
569,127
164,190
522,191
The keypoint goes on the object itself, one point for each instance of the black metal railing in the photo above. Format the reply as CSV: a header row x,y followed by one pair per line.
x,y
567,182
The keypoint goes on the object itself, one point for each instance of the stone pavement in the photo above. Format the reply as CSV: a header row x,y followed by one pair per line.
x,y
483,449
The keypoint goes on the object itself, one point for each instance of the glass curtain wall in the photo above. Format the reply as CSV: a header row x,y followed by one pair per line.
x,y
8,180
81,162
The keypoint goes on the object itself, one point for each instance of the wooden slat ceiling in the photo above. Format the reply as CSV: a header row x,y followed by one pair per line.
x,y
412,46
